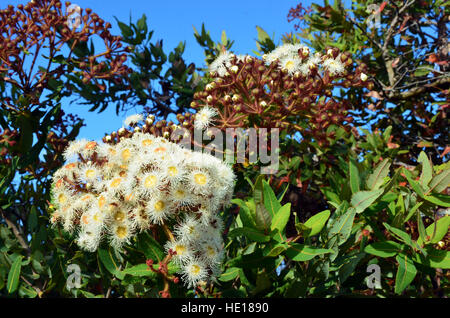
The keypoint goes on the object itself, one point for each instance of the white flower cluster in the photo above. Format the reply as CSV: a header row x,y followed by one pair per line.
x,y
288,58
141,182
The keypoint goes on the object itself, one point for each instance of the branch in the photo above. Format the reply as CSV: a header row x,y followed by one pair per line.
x,y
16,232
438,85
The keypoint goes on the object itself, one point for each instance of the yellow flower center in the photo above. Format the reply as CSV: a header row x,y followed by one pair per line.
x,y
200,178
126,154
147,142
58,183
62,198
119,216
195,269
90,145
180,194
159,206
86,197
121,231
150,181
90,173
85,219
70,165
101,201
211,251
96,217
180,249
173,171
116,182
160,149
289,65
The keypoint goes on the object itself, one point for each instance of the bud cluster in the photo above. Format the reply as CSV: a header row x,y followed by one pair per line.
x,y
289,88
41,28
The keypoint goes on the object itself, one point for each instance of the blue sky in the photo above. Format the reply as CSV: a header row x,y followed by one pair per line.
x,y
173,22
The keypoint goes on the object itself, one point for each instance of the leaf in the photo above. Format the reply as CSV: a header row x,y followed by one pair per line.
x,y
151,248
363,199
270,200
349,267
383,249
142,270
375,180
402,236
14,275
405,273
438,199
435,258
354,175
230,274
412,211
317,222
302,253
440,182
110,262
442,226
252,234
274,251
263,218
281,218
342,226
427,170
246,216
415,185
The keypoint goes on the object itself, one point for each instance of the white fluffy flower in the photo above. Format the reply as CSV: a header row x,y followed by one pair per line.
x,y
194,272
221,63
204,117
334,66
133,119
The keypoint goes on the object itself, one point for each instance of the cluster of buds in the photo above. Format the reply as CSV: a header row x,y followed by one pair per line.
x,y
42,25
290,88
143,182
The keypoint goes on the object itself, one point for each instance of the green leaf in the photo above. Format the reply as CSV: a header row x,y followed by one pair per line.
x,y
247,218
252,234
302,253
142,24
142,270
270,200
151,248
441,225
383,249
412,211
281,218
427,170
438,199
363,199
342,226
402,236
414,184
230,274
317,222
274,250
405,273
435,258
14,275
375,180
354,175
263,218
110,262
440,182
